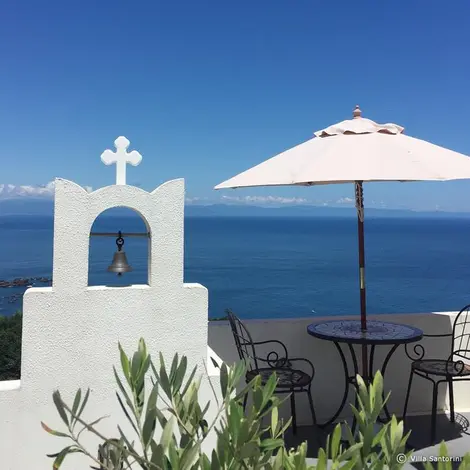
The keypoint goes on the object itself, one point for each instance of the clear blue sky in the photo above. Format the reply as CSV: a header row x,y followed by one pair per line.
x,y
205,90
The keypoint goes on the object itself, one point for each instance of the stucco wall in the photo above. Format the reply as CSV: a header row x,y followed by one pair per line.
x,y
71,331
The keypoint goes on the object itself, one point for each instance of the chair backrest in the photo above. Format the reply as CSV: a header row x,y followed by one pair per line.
x,y
243,341
461,334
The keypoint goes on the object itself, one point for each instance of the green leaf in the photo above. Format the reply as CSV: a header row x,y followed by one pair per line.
x,y
189,457
173,456
189,381
126,413
215,463
350,464
322,459
335,442
135,366
125,365
174,367
144,367
164,381
379,436
167,434
52,431
59,458
128,443
223,380
149,426
350,452
152,400
284,427
258,399
96,421
142,347
349,435
271,444
248,450
60,407
76,402
82,407
268,389
204,462
158,456
237,372
123,390
243,429
161,418
274,421
180,373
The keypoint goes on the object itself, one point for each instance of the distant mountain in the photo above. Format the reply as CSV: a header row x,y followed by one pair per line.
x,y
27,206
244,210
45,206
225,210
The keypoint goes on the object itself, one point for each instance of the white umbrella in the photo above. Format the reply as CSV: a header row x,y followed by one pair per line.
x,y
354,151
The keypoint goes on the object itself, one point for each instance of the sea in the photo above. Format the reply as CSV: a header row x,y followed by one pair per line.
x,y
274,267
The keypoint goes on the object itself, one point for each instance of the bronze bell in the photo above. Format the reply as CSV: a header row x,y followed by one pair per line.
x,y
119,264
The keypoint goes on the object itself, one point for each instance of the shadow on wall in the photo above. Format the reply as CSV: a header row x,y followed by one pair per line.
x,y
329,382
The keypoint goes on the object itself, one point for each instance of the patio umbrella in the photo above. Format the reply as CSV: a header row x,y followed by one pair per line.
x,y
356,151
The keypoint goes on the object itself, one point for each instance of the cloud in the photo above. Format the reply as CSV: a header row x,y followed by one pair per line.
x,y
196,200
264,200
345,200
11,191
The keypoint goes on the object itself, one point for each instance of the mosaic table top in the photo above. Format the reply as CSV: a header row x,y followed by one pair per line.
x,y
378,332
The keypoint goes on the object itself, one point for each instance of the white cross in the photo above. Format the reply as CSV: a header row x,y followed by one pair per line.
x,y
121,158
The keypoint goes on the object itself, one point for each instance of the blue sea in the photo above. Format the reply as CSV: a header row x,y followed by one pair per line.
x,y
273,267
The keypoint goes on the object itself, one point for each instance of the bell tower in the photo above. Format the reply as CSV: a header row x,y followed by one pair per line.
x,y
71,330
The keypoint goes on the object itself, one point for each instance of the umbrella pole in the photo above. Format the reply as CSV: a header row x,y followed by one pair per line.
x,y
362,283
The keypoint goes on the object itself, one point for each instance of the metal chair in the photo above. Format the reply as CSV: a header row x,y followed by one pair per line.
x,y
290,380
443,370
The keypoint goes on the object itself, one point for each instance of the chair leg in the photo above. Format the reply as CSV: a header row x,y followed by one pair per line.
x,y
294,417
312,409
434,412
451,400
405,408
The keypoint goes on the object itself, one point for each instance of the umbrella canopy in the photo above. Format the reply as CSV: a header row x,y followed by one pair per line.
x,y
354,151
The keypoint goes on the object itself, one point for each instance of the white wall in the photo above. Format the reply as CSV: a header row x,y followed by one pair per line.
x,y
71,331
328,385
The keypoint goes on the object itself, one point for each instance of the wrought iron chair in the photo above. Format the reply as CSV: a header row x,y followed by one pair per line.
x,y
290,380
443,370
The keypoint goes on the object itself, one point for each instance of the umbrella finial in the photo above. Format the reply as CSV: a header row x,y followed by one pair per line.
x,y
357,112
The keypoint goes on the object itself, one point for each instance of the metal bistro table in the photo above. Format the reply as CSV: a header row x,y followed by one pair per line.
x,y
348,332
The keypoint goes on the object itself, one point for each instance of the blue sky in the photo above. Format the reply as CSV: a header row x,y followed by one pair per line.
x,y
205,90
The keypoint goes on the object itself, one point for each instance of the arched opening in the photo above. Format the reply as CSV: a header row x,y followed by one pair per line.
x,y
103,246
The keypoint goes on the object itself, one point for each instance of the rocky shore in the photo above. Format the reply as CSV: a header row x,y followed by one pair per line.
x,y
25,281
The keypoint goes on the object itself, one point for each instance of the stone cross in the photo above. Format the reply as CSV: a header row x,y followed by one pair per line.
x,y
121,158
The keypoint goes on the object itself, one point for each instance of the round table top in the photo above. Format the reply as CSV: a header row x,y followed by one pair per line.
x,y
378,332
